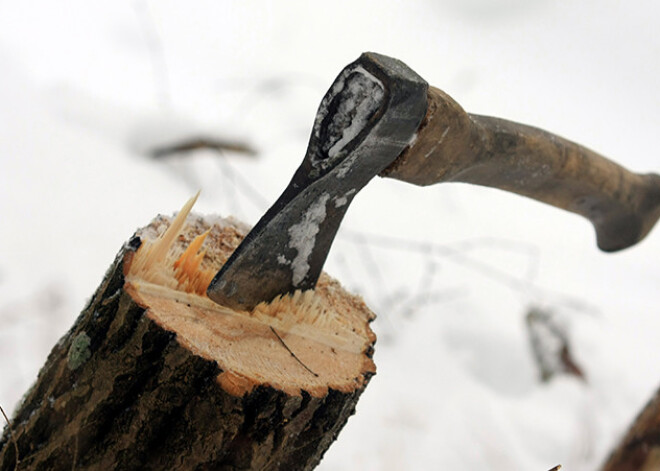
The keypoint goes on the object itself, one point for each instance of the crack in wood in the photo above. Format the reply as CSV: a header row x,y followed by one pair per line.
x,y
292,354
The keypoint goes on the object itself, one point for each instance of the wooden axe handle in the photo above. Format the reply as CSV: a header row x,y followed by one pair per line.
x,y
452,145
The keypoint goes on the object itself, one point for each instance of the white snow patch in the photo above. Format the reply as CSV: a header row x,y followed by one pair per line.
x,y
346,166
342,200
302,237
363,109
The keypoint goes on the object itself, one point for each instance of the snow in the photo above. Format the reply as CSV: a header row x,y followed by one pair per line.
x,y
450,270
342,200
364,93
302,237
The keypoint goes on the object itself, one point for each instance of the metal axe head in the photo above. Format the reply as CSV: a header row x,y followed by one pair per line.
x,y
366,119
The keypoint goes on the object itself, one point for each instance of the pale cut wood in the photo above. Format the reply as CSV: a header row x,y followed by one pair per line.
x,y
153,375
327,329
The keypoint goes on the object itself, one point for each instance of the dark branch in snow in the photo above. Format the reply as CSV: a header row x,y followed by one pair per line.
x,y
550,345
198,143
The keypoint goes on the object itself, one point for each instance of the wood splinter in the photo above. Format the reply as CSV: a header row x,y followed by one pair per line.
x,y
154,375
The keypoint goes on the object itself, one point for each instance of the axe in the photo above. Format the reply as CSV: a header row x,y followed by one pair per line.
x,y
380,117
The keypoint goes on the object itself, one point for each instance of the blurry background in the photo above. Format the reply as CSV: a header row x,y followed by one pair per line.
x,y
90,90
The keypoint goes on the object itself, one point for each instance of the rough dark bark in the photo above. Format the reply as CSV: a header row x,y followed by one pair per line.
x,y
120,391
639,450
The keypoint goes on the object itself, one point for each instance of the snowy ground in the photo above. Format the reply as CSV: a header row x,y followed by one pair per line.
x,y
86,88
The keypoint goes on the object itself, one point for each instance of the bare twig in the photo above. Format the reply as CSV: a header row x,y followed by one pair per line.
x,y
550,345
197,143
458,256
292,354
243,185
368,259
427,298
12,438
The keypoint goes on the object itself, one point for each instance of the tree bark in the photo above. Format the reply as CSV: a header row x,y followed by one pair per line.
x,y
639,450
153,375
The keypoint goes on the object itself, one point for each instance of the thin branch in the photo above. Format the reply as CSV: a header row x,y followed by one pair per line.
x,y
242,184
197,143
451,253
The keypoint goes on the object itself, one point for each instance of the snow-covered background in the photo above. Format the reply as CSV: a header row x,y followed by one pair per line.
x,y
88,88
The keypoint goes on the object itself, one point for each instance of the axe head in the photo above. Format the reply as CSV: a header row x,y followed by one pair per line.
x,y
366,119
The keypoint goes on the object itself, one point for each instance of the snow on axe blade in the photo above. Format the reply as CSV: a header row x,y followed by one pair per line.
x,y
364,122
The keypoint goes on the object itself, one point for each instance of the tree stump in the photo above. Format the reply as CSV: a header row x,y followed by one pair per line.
x,y
153,375
639,450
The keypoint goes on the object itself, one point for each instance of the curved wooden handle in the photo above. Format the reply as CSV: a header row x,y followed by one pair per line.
x,y
452,145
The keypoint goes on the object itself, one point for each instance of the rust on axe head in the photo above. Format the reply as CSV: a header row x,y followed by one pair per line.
x,y
364,122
